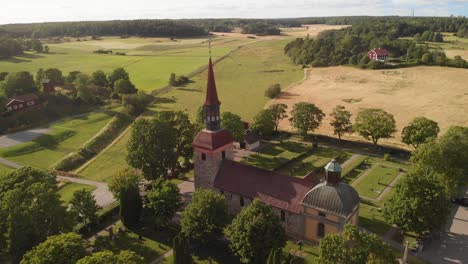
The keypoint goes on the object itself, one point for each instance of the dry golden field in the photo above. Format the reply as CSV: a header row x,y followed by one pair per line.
x,y
438,93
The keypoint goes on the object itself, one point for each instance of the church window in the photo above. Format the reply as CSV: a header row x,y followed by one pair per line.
x,y
321,230
223,154
283,216
203,156
241,202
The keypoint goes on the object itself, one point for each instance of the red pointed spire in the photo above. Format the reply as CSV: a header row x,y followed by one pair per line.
x,y
211,93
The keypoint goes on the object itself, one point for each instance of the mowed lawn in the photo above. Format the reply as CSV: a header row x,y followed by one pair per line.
x,y
67,190
241,79
66,136
148,61
108,162
376,180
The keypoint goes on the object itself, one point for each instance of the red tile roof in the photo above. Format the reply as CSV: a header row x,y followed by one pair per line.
x,y
278,190
213,140
23,98
381,52
211,93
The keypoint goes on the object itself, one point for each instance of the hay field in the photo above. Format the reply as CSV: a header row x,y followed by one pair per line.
x,y
438,93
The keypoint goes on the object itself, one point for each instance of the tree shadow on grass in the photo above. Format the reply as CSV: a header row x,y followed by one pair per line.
x,y
219,253
164,100
271,150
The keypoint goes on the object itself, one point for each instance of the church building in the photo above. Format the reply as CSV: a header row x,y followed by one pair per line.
x,y
307,207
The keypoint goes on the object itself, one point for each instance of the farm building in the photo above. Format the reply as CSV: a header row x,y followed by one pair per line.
x,y
378,54
307,207
251,140
21,102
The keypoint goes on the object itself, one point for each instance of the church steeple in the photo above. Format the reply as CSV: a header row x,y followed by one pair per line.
x,y
212,103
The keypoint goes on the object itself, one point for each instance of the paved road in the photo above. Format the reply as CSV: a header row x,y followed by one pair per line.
x,y
102,194
10,164
14,139
452,248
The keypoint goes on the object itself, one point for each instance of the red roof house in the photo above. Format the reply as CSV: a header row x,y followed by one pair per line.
x,y
21,102
378,54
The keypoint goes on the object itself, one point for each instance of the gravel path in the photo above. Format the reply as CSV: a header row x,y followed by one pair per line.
x,y
17,138
102,194
10,164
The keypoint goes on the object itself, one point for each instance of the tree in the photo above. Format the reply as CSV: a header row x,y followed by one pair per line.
x,y
205,217
278,112
125,186
446,157
164,200
46,49
30,211
374,124
255,232
37,46
275,257
65,248
99,78
201,115
306,117
40,76
156,145
172,80
18,83
54,75
341,121
71,77
83,91
106,257
354,247
181,250
3,75
273,91
117,74
419,131
419,203
123,86
234,124
264,124
135,104
84,207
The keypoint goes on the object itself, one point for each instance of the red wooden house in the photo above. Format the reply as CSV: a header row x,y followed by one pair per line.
x,y
21,102
378,54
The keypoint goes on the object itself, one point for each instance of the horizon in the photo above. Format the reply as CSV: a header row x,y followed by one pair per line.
x,y
105,10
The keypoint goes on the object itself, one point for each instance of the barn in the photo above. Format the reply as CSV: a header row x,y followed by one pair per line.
x,y
378,54
21,102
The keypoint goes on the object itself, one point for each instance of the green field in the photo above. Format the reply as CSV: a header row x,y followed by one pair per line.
x,y
5,169
67,190
376,180
149,61
66,136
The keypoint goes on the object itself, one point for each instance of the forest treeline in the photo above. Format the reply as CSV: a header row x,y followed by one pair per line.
x,y
351,45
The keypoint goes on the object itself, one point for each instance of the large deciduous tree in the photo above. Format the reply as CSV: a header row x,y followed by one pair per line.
x,y
123,86
18,83
83,207
264,124
99,78
278,111
83,92
233,123
205,217
156,145
65,248
117,74
354,247
255,232
106,257
164,200
30,211
306,117
54,75
125,186
419,131
181,250
419,203
374,124
341,121
447,157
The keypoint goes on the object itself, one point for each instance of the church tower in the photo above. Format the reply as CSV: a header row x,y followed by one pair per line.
x,y
213,144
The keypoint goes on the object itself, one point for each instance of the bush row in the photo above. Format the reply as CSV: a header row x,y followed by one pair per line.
x,y
96,144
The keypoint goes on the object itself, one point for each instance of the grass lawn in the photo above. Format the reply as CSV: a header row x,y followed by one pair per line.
x,y
241,81
274,155
153,245
108,162
66,136
376,180
307,255
149,61
316,160
67,190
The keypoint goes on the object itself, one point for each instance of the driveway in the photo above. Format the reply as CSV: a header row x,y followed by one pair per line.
x,y
102,194
452,248
14,139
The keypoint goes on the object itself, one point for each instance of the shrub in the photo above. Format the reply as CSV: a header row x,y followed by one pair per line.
x,y
273,91
387,157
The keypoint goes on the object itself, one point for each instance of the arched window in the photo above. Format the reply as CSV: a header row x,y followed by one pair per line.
x,y
321,230
223,154
241,202
203,156
283,216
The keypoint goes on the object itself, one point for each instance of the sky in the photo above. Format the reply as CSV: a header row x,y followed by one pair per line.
x,y
26,11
